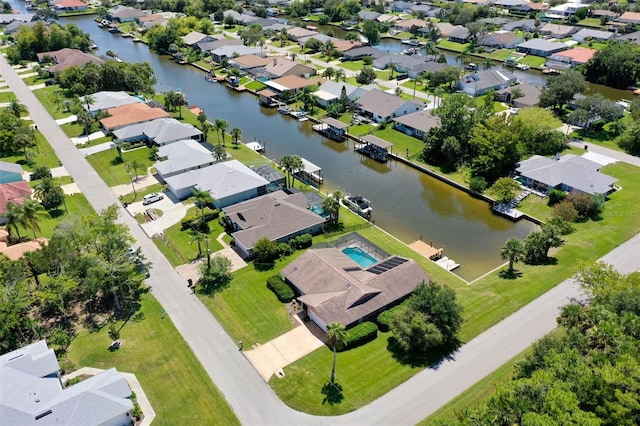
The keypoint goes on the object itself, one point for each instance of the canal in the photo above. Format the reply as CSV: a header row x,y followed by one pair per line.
x,y
406,203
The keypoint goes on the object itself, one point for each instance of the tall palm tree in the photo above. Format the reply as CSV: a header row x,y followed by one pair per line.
x,y
418,79
236,134
202,199
488,64
198,238
341,74
220,125
136,165
32,211
329,73
291,163
337,339
463,57
513,250
393,68
219,153
180,101
15,218
170,100
15,107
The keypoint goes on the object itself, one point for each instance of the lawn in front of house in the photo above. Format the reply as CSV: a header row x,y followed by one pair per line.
x,y
41,155
486,301
178,387
113,173
52,102
76,206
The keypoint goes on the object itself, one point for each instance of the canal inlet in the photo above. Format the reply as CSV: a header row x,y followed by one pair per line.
x,y
408,204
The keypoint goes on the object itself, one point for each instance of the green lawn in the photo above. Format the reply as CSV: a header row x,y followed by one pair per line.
x,y
77,205
500,54
402,143
116,174
533,61
73,130
590,22
178,242
7,96
42,155
51,102
33,80
255,85
352,65
178,387
247,156
602,138
453,46
485,303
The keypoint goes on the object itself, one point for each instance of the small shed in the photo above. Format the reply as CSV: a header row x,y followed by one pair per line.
x,y
333,129
374,147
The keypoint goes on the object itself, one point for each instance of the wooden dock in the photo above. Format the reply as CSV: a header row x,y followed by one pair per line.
x,y
426,250
507,211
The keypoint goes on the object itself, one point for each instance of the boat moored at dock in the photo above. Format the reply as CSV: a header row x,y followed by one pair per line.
x,y
359,204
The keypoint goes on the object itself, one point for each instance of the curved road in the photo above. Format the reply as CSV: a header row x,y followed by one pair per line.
x,y
251,398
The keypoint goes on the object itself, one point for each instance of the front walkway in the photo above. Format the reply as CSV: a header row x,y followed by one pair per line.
x,y
134,384
140,183
172,212
273,356
93,136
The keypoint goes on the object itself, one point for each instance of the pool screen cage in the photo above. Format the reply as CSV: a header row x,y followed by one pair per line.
x,y
356,240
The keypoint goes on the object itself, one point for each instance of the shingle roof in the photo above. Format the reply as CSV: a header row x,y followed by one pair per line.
x,y
160,131
108,99
251,61
193,37
381,103
421,120
630,17
66,57
274,216
542,44
131,114
10,171
340,290
182,155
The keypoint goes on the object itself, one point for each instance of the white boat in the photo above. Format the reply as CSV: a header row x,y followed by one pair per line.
x,y
301,116
283,108
359,204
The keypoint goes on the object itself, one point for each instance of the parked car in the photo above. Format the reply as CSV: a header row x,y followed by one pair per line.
x,y
152,198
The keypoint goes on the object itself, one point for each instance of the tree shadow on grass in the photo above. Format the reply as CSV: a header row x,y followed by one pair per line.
x,y
510,274
432,359
332,393
262,267
56,213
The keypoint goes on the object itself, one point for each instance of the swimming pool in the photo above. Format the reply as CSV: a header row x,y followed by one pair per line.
x,y
360,257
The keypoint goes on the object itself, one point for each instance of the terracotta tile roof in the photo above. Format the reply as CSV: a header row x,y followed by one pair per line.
x,y
578,54
15,192
630,17
131,114
16,251
70,3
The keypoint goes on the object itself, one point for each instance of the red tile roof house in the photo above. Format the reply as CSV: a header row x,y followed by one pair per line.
x,y
630,18
69,5
14,192
65,58
574,57
126,115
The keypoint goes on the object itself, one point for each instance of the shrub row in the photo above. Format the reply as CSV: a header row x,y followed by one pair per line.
x,y
361,334
193,222
384,318
301,241
280,288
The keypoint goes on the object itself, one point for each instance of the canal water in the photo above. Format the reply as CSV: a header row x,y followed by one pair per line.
x,y
406,203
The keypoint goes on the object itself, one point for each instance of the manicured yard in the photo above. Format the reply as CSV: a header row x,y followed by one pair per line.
x,y
7,96
73,130
603,138
485,302
453,46
42,155
178,387
352,65
590,22
533,61
116,174
47,96
255,86
77,205
500,54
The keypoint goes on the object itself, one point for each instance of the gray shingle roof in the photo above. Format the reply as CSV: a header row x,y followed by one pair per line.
x,y
380,103
109,99
183,155
542,44
421,120
161,131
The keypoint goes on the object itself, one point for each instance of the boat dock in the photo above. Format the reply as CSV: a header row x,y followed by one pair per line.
x,y
374,147
332,128
434,254
507,211
310,173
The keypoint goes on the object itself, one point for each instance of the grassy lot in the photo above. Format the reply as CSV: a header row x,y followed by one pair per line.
x,y
590,22
500,54
255,85
116,174
352,65
73,130
77,205
130,198
42,155
94,142
33,80
7,96
47,97
485,303
173,379
402,143
176,244
533,61
453,46
247,156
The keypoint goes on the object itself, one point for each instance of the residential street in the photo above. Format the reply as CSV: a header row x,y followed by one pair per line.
x,y
251,398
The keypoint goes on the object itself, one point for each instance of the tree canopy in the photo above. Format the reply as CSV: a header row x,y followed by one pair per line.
x,y
137,77
616,65
31,40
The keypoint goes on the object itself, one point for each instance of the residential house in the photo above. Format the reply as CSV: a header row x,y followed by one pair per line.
x,y
161,131
500,40
277,180
69,5
367,15
330,91
125,14
567,173
248,63
195,37
400,6
494,21
296,33
385,17
630,18
278,67
14,26
335,288
570,58
229,51
13,192
541,47
633,37
160,18
445,29
509,4
459,34
267,98
182,156
531,7
416,124
209,46
528,96
421,10
479,83
406,25
17,251
65,58
381,106
523,24
126,115
7,18
292,83
587,34
101,101
609,14
558,30
358,53
400,61
32,392
229,182
564,10
277,216
424,67
10,172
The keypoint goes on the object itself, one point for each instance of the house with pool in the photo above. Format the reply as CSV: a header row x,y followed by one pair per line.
x,y
350,280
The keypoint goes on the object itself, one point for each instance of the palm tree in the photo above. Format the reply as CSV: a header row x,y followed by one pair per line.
x,y
136,165
341,74
170,100
393,68
331,204
220,125
513,250
202,119
202,199
488,64
15,217
15,107
179,101
418,79
463,57
337,339
291,163
32,211
86,120
219,153
329,73
117,145
198,238
236,134
49,193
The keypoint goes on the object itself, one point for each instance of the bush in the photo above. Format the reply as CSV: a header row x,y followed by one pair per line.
x,y
361,334
384,319
301,241
265,250
283,292
284,249
41,172
192,222
562,225
556,196
565,211
477,184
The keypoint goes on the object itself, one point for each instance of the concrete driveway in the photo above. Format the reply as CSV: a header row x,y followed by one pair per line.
x,y
273,356
173,211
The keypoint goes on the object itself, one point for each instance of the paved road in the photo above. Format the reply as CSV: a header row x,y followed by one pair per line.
x,y
251,398
616,155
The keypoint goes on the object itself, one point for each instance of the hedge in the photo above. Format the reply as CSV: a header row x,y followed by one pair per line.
x,y
301,241
280,288
385,317
192,222
361,334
